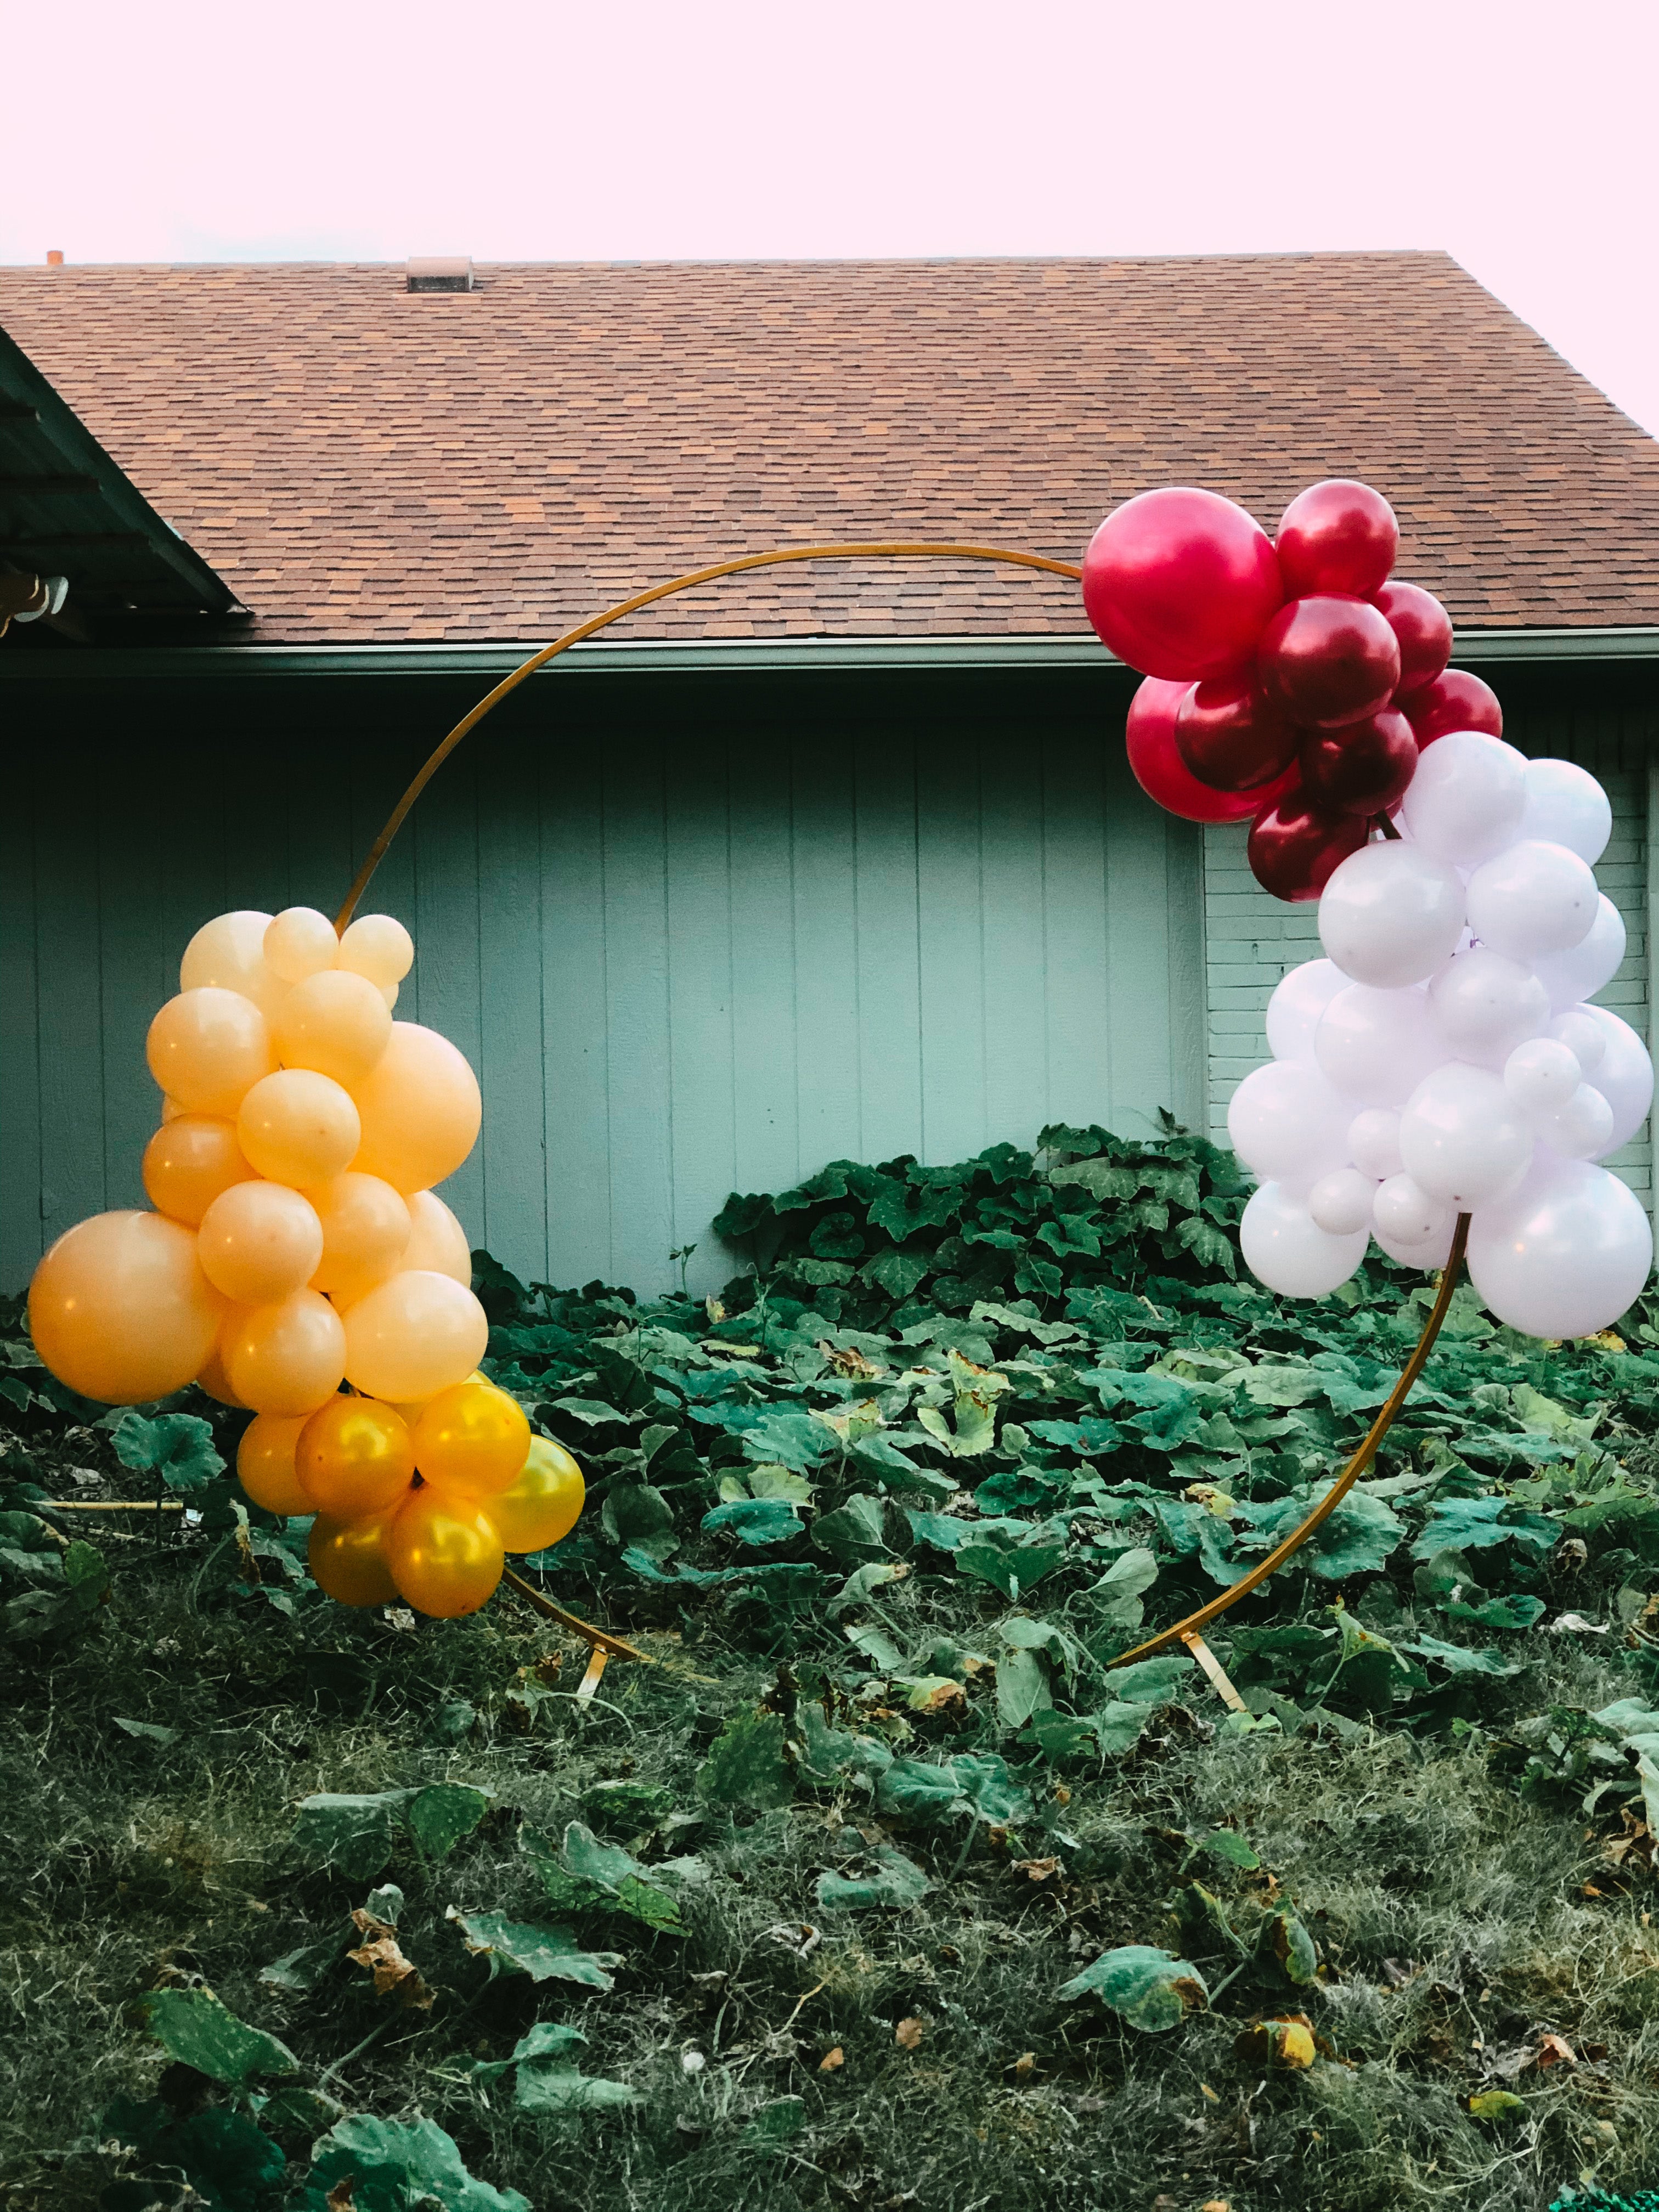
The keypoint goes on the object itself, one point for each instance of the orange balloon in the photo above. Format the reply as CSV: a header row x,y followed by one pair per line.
x,y
419,1107
348,1560
413,1335
334,1022
471,1440
437,1240
365,1227
299,943
120,1310
444,1555
540,1507
264,1463
214,1380
171,1110
258,1241
377,946
189,1161
355,1458
229,953
286,1358
208,1047
298,1126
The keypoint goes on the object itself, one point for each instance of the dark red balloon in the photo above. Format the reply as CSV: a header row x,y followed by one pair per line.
x,y
1294,848
1328,661
1181,584
1337,537
1423,628
1364,769
1231,737
1159,770
1455,700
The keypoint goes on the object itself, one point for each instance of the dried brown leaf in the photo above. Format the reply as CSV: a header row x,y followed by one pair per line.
x,y
393,1973
832,2061
1036,1869
1554,2051
907,2034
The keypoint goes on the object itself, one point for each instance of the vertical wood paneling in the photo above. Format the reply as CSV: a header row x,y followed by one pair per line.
x,y
1140,1011
512,1049
575,989
448,972
888,949
950,937
764,965
823,840
1080,1044
637,1066
703,1132
73,1066
136,975
1011,887
21,1223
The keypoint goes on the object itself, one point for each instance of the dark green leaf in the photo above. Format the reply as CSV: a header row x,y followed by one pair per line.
x,y
1147,1987
747,1764
545,1954
194,2027
895,1880
398,2165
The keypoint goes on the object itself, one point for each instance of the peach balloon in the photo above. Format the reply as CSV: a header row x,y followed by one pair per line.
x,y
120,1310
366,1228
208,1047
444,1555
189,1162
286,1358
298,1126
378,947
413,1335
258,1241
355,1458
299,943
334,1022
471,1440
420,1109
171,1110
264,1463
214,1380
348,1560
542,1504
229,953
437,1240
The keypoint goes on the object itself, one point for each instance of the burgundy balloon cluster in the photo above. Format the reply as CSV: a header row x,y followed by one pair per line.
x,y
1290,684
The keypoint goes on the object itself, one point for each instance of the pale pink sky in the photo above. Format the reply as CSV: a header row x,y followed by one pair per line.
x,y
1518,137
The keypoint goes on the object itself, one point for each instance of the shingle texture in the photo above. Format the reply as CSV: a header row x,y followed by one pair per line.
x,y
364,465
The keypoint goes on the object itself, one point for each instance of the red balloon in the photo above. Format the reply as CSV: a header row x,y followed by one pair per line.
x,y
1455,700
1340,537
1231,737
1423,628
1295,849
1181,584
1328,661
1364,769
1159,770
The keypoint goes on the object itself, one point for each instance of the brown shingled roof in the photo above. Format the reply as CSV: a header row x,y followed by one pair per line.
x,y
362,464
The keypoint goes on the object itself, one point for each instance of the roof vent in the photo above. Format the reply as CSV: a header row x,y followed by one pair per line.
x,y
440,273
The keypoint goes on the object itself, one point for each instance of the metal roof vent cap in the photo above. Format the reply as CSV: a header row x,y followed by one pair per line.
x,y
443,272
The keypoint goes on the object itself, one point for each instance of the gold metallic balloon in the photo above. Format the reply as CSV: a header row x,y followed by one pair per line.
x,y
190,1160
348,1560
120,1310
540,1506
471,1440
445,1554
264,1463
355,1458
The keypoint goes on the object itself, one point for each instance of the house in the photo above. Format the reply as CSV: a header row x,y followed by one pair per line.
x,y
839,859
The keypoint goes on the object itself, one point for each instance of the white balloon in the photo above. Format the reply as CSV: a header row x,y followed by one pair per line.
x,y
1484,1004
1624,1076
1285,1249
1565,1254
1376,1046
1462,1137
1591,964
1340,1202
1466,800
1410,1225
1534,898
1294,1009
1580,1130
1285,1121
1391,914
1541,1075
1584,1037
1374,1142
1568,806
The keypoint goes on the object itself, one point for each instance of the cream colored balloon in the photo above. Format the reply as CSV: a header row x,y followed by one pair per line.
x,y
189,1161
258,1241
412,1336
420,1109
365,1227
299,1127
335,1022
230,951
437,1240
208,1047
120,1310
299,943
287,1357
389,992
378,947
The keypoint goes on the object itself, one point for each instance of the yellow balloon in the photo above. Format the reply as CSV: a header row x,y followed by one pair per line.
x,y
299,943
437,1240
208,1047
419,1107
348,1560
230,951
190,1160
377,946
541,1505
413,1335
258,1241
120,1310
264,1463
214,1380
471,1440
366,1226
355,1458
287,1357
444,1555
335,1022
298,1126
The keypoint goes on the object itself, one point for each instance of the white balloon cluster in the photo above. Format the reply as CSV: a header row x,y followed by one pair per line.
x,y
1441,1060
